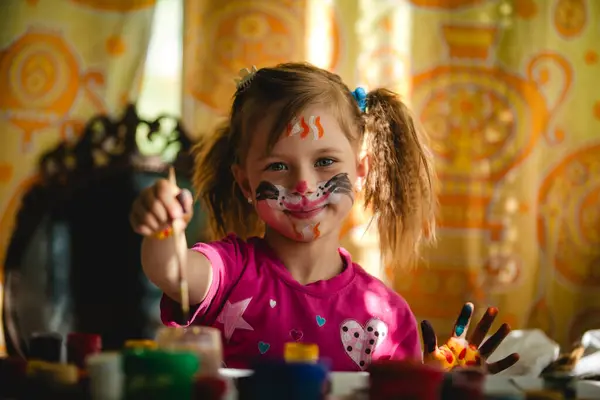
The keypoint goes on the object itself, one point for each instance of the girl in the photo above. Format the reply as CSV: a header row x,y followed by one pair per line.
x,y
278,179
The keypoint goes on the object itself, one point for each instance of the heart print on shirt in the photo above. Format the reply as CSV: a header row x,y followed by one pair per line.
x,y
360,342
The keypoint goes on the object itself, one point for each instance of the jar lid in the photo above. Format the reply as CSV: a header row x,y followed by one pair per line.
x,y
140,344
543,395
153,362
34,366
199,335
301,352
45,346
65,374
84,340
104,360
52,372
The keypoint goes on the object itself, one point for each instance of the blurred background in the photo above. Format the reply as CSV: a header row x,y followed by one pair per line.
x,y
507,89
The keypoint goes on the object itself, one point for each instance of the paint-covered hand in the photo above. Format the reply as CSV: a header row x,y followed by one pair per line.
x,y
460,352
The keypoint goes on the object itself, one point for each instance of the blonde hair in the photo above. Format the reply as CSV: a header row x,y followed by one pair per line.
x,y
399,187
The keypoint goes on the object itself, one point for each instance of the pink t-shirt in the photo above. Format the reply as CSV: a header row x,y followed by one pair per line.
x,y
253,299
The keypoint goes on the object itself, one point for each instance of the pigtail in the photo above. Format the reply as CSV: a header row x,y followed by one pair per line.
x,y
399,187
227,208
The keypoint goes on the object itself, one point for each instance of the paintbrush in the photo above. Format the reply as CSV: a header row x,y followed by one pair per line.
x,y
183,283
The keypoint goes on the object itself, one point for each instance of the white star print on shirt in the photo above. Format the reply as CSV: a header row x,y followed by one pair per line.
x,y
231,317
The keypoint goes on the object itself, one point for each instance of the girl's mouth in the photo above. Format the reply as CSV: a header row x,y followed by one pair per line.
x,y
305,214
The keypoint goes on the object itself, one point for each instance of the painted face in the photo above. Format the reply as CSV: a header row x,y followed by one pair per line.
x,y
303,188
300,205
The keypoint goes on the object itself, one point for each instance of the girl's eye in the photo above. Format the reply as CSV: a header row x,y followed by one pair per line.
x,y
278,166
324,162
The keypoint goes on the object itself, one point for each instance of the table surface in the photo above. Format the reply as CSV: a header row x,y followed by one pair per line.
x,y
344,383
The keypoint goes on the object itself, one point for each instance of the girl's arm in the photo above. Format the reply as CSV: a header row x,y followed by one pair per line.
x,y
156,208
160,265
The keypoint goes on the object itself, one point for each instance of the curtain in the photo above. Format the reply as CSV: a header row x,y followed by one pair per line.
x,y
61,62
504,90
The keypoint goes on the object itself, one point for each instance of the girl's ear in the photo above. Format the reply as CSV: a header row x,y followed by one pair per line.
x,y
241,179
362,169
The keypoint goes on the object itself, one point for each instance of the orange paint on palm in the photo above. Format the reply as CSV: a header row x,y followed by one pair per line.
x,y
441,357
455,353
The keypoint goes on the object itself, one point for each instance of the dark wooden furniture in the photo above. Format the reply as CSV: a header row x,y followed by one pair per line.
x,y
73,263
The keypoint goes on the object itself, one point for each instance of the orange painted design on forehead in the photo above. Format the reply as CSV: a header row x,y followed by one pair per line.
x,y
304,129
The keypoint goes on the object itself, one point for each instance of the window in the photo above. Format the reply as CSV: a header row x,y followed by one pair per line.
x,y
161,83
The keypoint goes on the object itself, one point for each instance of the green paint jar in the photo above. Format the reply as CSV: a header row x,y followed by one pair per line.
x,y
159,375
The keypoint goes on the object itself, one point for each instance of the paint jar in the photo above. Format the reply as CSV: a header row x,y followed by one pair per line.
x,y
404,379
82,345
51,380
105,371
209,388
281,380
13,374
45,347
159,375
205,342
463,383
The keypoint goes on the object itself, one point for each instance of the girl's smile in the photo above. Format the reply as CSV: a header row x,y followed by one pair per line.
x,y
306,214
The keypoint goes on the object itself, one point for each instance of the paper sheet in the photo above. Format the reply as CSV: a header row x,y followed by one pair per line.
x,y
537,351
533,346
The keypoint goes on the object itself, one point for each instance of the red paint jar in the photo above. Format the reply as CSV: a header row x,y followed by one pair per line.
x,y
404,379
209,388
464,383
80,346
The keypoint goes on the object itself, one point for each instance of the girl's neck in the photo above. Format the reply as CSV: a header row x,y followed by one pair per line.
x,y
308,262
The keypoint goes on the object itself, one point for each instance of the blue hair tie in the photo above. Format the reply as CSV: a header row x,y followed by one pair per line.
x,y
360,95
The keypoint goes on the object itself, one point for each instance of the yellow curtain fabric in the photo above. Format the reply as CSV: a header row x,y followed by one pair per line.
x,y
505,89
61,62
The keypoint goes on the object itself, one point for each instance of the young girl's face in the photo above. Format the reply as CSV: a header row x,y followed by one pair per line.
x,y
304,188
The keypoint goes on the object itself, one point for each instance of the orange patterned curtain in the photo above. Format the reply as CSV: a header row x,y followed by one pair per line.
x,y
503,87
61,62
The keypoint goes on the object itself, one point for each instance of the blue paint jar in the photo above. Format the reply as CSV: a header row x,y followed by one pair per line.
x,y
280,380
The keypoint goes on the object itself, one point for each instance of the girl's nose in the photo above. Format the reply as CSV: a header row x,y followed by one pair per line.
x,y
301,187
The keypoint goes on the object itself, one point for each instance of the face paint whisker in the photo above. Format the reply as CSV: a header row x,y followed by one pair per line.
x,y
266,191
340,185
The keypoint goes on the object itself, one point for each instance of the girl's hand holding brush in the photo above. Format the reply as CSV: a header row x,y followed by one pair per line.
x,y
162,212
158,206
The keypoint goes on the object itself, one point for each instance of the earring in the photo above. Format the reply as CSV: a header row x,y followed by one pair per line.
x,y
358,186
249,200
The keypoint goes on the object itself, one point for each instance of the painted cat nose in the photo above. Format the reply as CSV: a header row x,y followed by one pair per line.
x,y
301,187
